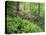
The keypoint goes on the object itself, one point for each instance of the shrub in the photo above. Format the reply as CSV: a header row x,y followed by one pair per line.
x,y
19,25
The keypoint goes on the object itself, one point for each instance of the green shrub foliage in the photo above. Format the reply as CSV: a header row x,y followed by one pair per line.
x,y
22,21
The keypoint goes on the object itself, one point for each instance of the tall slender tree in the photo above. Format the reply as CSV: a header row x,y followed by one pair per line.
x,y
17,6
38,9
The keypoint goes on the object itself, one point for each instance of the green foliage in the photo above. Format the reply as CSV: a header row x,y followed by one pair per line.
x,y
18,24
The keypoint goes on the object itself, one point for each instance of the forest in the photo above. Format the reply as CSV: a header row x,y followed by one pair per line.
x,y
24,17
